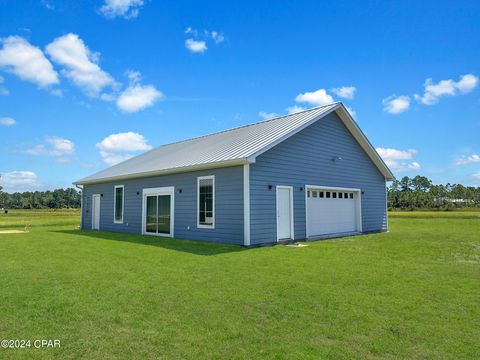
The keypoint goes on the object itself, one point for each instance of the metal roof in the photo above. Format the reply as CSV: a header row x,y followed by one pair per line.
x,y
230,147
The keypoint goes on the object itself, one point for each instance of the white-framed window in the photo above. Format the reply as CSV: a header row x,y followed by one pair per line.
x,y
206,202
118,204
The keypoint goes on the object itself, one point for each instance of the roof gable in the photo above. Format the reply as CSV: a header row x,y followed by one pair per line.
x,y
231,147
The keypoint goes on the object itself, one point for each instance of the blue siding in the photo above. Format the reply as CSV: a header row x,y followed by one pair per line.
x,y
305,158
228,204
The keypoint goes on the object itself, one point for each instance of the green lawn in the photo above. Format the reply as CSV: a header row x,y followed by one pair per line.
x,y
411,293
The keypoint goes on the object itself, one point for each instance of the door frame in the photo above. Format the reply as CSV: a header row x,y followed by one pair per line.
x,y
94,212
292,228
167,190
358,204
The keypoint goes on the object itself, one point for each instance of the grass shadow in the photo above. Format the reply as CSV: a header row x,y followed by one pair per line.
x,y
196,247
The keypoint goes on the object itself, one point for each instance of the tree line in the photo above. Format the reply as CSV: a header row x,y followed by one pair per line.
x,y
56,199
420,193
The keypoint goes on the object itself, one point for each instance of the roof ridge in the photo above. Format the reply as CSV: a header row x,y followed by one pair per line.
x,y
244,126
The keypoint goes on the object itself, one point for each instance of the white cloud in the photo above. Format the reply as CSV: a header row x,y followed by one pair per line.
x,y
138,97
476,175
433,91
19,181
346,92
393,158
119,147
28,62
80,64
318,97
7,121
197,43
464,160
394,154
196,46
294,109
125,8
54,146
267,116
217,37
396,104
352,112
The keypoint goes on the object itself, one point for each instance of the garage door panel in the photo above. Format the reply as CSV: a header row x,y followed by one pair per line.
x,y
331,215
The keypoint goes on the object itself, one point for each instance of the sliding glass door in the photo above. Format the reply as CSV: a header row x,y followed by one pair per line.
x,y
158,212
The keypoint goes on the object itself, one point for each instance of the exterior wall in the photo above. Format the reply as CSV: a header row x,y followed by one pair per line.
x,y
228,204
306,159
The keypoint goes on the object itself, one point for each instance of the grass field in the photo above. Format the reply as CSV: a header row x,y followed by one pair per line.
x,y
411,293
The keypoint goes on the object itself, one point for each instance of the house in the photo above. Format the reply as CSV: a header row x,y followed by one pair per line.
x,y
308,175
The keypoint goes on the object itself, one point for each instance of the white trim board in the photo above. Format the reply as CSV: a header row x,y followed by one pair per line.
x,y
246,204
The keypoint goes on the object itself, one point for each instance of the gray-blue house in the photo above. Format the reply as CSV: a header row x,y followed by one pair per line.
x,y
308,175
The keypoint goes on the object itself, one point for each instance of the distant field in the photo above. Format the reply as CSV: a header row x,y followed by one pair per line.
x,y
411,293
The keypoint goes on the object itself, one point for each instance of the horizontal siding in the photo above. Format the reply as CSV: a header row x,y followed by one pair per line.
x,y
306,159
228,204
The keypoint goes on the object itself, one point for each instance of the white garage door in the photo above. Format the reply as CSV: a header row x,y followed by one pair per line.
x,y
331,211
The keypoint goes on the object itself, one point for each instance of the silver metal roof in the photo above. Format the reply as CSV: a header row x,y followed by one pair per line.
x,y
230,147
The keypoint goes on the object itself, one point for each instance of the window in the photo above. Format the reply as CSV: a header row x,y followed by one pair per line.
x,y
314,193
340,195
345,195
206,201
118,202
328,194
334,194
308,193
321,194
351,195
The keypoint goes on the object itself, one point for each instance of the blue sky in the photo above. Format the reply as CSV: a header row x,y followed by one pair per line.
x,y
86,84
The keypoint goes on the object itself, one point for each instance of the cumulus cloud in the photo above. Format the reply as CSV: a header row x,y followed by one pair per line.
x,y
7,121
196,46
267,116
395,159
119,147
197,43
434,91
26,61
318,97
345,92
19,181
294,109
465,160
121,8
138,97
79,63
59,148
396,104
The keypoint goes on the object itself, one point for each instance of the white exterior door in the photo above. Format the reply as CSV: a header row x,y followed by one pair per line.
x,y
96,212
284,212
332,211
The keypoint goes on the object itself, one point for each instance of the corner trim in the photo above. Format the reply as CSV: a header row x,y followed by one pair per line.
x,y
246,204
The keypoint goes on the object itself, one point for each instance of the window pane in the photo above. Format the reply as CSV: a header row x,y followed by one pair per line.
x,y
118,203
205,215
328,194
164,214
345,195
308,193
334,195
314,193
340,195
151,218
351,195
321,194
